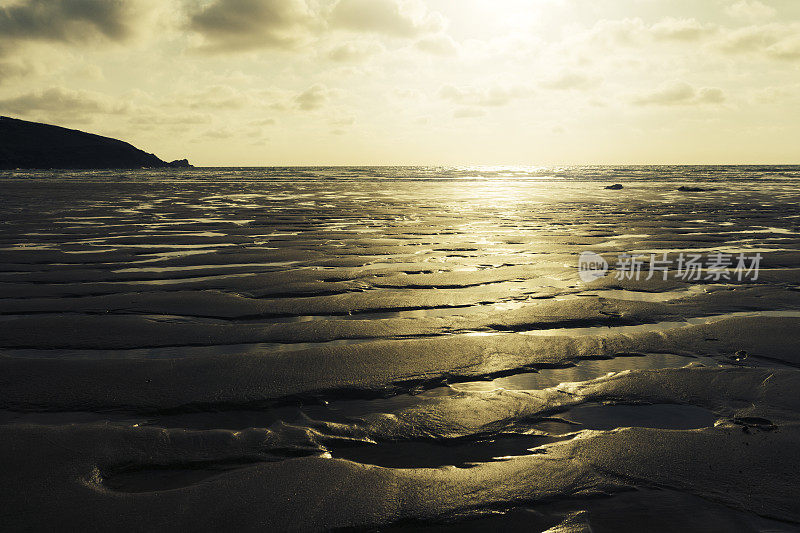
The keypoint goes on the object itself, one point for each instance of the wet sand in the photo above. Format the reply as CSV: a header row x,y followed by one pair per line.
x,y
307,350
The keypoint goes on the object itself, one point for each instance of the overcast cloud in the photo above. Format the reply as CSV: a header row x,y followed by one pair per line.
x,y
412,81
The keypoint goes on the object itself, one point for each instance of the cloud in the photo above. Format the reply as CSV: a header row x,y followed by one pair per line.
x,y
779,95
748,39
397,18
264,122
215,97
571,80
342,121
786,49
227,99
750,10
634,32
710,95
440,44
215,134
59,104
495,96
353,51
226,26
59,99
91,72
72,21
625,32
681,93
16,68
240,25
312,98
687,29
179,120
468,112
775,41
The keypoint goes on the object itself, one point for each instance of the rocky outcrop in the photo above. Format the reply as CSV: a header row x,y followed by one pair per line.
x,y
31,145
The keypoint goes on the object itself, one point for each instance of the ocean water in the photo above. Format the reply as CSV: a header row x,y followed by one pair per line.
x,y
289,337
469,173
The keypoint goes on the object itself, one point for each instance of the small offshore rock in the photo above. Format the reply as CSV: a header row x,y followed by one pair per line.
x,y
684,188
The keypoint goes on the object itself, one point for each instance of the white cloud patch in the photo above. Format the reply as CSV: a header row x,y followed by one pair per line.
x,y
216,134
264,122
215,97
686,29
169,120
568,79
397,18
440,44
468,112
354,51
494,96
680,93
778,94
750,10
786,49
342,121
312,98
635,33
776,40
779,41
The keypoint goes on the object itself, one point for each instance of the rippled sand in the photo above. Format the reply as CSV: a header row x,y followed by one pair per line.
x,y
349,348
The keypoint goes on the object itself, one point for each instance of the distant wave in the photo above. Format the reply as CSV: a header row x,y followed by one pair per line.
x,y
714,173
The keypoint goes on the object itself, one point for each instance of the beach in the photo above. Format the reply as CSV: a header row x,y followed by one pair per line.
x,y
381,348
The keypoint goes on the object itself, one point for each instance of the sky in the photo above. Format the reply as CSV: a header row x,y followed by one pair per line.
x,y
413,82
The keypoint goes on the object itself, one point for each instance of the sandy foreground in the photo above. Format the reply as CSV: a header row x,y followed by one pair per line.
x,y
207,350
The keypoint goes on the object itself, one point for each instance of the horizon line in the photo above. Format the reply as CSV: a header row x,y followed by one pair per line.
x,y
555,165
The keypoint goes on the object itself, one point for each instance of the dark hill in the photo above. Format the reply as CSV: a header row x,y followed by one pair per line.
x,y
26,144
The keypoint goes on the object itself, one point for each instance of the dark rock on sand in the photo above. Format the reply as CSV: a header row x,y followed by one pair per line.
x,y
684,188
754,422
26,144
615,187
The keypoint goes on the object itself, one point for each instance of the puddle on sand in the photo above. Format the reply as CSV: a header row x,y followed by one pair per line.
x,y
158,478
202,267
660,416
344,410
658,326
584,370
643,509
65,418
641,296
173,352
434,454
466,452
